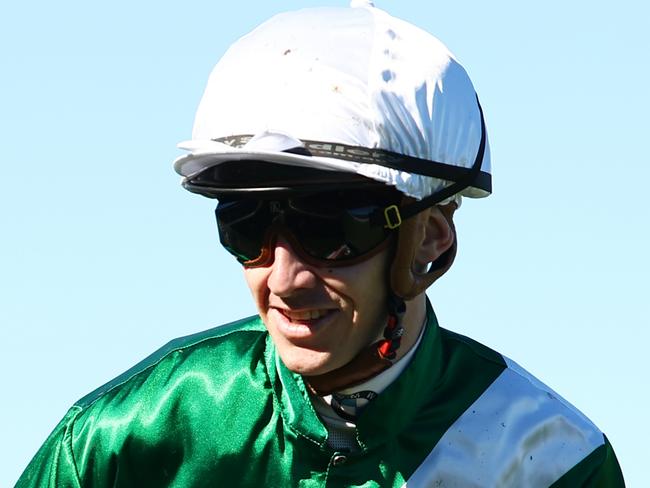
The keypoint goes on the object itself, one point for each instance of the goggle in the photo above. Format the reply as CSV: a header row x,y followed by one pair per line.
x,y
335,228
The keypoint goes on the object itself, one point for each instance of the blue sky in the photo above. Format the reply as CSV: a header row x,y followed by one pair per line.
x,y
104,257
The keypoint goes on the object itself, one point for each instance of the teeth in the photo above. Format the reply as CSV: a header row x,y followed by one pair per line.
x,y
306,315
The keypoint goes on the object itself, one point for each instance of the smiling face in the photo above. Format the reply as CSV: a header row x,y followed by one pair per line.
x,y
319,318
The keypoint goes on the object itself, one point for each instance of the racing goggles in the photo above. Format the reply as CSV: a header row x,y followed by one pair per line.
x,y
335,228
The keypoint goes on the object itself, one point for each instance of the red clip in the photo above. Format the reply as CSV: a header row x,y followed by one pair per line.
x,y
384,349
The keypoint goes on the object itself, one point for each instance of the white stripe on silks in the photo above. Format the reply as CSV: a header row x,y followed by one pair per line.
x,y
517,433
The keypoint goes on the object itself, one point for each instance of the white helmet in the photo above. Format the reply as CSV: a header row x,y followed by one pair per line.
x,y
348,89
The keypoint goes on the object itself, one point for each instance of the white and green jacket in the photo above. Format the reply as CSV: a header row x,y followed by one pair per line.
x,y
220,409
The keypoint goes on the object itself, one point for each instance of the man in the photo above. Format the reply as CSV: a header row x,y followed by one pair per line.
x,y
338,142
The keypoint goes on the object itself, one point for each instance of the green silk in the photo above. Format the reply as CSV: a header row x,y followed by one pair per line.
x,y
219,408
200,412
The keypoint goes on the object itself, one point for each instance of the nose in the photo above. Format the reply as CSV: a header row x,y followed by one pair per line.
x,y
289,273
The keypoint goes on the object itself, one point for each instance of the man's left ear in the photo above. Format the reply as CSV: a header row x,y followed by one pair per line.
x,y
437,237
426,248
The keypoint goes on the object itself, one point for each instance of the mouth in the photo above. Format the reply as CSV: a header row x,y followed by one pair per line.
x,y
304,316
304,323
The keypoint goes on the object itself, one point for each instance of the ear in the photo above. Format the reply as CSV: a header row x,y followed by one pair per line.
x,y
428,238
436,235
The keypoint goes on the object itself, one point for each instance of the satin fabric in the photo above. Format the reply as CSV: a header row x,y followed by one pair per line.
x,y
220,409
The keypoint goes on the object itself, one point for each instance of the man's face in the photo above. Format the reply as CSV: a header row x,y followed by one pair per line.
x,y
319,318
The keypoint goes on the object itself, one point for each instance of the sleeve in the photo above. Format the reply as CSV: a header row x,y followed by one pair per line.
x,y
600,469
54,465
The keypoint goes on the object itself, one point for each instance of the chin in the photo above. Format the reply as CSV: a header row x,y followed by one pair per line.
x,y
309,363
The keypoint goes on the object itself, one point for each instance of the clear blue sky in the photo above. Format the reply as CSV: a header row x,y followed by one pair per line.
x,y
103,257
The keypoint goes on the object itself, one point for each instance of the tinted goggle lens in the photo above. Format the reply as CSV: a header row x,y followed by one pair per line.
x,y
331,228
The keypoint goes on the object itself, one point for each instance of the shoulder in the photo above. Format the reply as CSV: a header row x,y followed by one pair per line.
x,y
517,431
519,407
516,403
184,393
216,349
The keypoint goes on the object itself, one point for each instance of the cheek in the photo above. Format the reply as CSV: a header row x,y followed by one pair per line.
x,y
363,288
256,279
